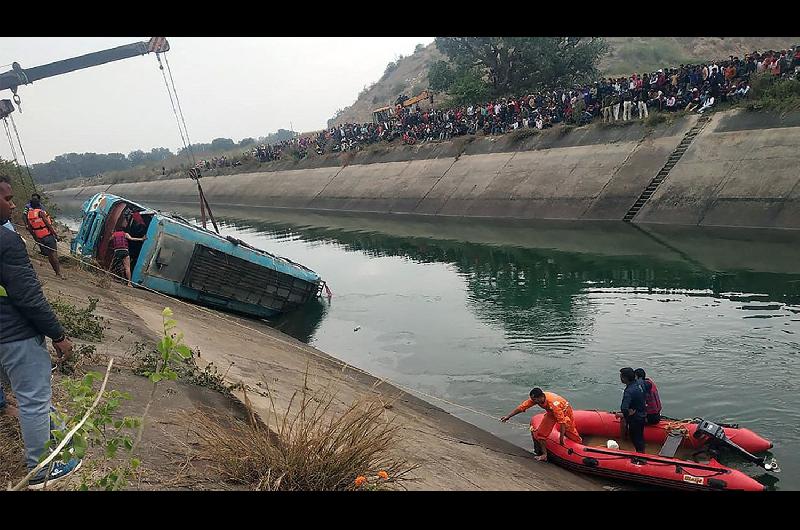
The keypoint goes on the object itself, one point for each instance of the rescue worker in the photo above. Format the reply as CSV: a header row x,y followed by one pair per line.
x,y
41,228
119,244
632,409
558,412
652,402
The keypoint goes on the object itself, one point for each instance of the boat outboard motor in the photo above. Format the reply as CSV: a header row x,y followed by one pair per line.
x,y
718,437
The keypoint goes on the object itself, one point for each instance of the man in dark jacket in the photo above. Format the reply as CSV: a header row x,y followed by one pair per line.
x,y
632,409
25,320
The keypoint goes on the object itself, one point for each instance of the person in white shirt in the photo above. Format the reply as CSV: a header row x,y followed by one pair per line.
x,y
707,105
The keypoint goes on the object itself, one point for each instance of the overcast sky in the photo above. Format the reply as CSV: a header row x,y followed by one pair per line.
x,y
228,87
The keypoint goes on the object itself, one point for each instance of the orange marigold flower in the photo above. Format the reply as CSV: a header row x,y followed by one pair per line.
x,y
360,480
384,475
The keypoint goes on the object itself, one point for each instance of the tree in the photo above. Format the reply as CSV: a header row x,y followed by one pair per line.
x,y
391,67
441,76
246,141
137,157
464,83
222,144
158,154
280,135
468,87
519,64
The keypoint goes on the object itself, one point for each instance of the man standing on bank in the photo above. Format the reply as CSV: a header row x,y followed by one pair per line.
x,y
25,320
632,409
558,412
41,228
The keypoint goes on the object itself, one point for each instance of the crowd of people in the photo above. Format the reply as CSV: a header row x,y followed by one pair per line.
x,y
217,162
688,87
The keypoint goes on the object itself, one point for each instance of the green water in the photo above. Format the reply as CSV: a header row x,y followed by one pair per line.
x,y
477,313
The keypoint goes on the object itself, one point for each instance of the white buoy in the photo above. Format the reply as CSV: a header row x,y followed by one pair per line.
x,y
612,444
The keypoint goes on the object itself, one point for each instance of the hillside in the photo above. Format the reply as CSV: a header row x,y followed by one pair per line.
x,y
627,55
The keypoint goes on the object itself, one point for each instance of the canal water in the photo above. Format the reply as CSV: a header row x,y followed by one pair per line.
x,y
477,313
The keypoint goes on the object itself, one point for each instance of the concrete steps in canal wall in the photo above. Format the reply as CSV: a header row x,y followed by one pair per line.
x,y
741,169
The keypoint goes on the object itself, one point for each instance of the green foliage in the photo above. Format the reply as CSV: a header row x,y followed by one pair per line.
x,y
170,349
139,157
771,93
81,353
441,76
521,64
221,144
467,87
79,323
173,360
104,429
76,165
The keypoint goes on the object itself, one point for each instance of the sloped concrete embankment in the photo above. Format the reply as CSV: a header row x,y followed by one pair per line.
x,y
740,171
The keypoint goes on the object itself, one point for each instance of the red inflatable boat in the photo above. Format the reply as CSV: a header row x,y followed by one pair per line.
x,y
664,469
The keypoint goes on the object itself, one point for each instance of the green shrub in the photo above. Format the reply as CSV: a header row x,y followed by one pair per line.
x,y
79,323
770,93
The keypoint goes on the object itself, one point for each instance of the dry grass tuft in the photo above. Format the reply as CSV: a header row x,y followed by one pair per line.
x,y
311,447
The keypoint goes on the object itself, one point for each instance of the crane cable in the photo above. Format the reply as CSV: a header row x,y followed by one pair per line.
x,y
193,171
180,110
187,150
24,158
10,141
14,151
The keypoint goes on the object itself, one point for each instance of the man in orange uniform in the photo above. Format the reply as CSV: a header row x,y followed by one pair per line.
x,y
558,411
41,228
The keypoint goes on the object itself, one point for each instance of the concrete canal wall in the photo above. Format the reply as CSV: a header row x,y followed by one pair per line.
x,y
741,169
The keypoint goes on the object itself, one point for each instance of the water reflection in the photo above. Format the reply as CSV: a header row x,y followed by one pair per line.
x,y
477,312
303,324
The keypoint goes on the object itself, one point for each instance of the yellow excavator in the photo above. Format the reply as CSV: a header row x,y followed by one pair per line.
x,y
388,112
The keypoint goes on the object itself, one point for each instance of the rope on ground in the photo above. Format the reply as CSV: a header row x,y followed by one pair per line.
x,y
344,365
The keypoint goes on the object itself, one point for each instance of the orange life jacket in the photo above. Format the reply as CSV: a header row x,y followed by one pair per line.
x,y
37,224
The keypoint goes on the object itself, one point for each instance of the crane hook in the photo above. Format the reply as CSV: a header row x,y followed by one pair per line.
x,y
17,100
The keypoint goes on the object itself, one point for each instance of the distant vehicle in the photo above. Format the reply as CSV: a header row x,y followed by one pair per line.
x,y
388,112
